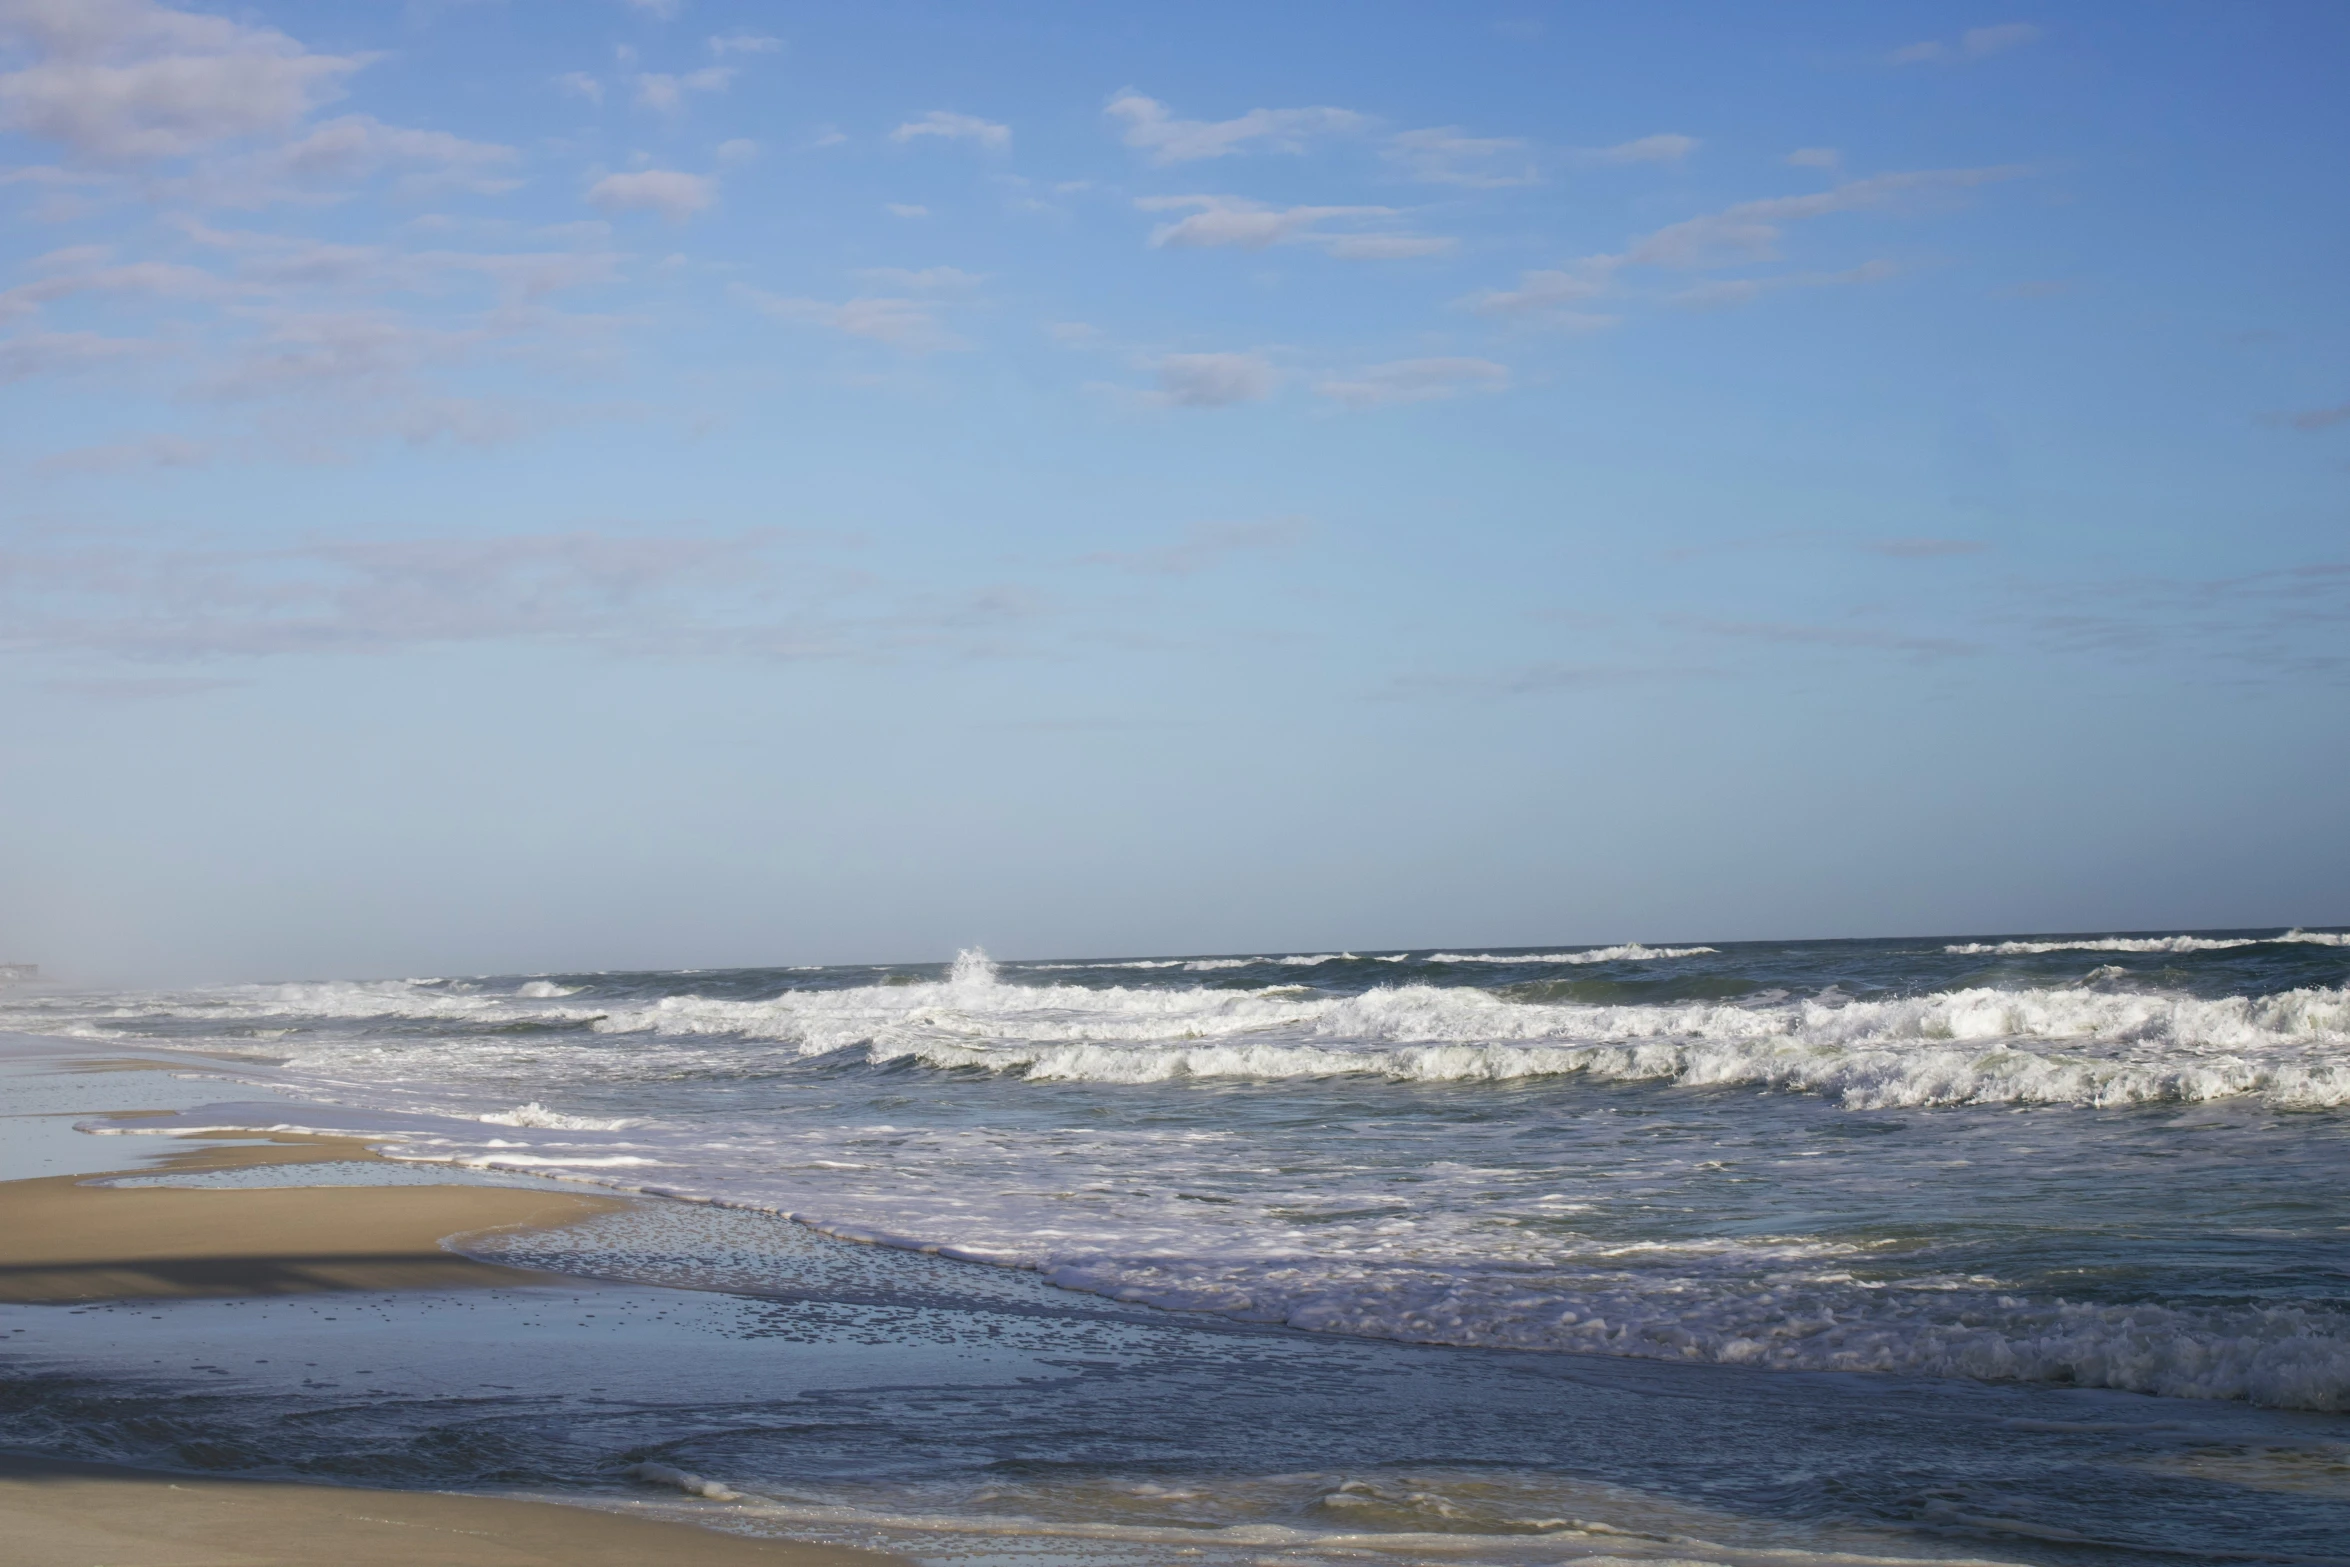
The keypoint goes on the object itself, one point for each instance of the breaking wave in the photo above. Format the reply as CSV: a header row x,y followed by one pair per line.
x,y
1974,1045
2012,949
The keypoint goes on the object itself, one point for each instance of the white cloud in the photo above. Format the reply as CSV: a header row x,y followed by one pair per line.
x,y
745,43
1151,128
909,325
1415,381
674,195
663,10
581,85
1815,158
657,90
1664,148
1238,223
1444,155
739,150
1978,43
1214,380
904,209
1073,334
950,126
121,81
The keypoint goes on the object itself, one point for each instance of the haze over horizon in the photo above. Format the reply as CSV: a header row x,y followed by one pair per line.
x,y
491,486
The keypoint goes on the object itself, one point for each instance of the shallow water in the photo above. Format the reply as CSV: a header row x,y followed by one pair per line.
x,y
2007,1169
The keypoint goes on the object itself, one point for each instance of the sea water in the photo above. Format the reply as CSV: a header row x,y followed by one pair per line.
x,y
1876,1247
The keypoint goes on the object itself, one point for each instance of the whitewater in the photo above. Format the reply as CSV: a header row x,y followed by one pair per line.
x,y
2108,1160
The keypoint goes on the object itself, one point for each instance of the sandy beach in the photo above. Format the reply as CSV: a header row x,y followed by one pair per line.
x,y
80,1515
64,1240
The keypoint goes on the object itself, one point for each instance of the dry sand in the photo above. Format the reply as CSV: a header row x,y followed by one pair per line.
x,y
61,1242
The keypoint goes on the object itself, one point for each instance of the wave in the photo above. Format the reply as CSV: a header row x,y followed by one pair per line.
x,y
1976,1045
1630,952
2284,1357
538,1116
2315,938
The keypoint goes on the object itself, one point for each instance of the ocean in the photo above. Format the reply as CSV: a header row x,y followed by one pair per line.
x,y
1985,1247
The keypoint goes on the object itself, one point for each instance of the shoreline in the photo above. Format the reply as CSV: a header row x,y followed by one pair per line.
x,y
59,1513
66,1242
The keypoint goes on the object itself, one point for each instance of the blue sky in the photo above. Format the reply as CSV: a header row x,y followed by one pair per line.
x,y
513,485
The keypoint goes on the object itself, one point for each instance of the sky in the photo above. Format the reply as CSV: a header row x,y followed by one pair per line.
x,y
505,485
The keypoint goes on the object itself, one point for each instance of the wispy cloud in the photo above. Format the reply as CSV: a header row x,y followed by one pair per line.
x,y
1976,43
130,81
31,354
1861,637
1151,127
1751,230
142,455
1446,155
667,93
1204,545
1238,223
909,325
1742,235
2317,418
1214,380
1552,297
1538,679
1414,381
1666,147
670,193
745,43
178,602
949,126
1741,291
1922,549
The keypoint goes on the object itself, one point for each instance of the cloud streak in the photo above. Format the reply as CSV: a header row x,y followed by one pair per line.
x,y
948,126
1414,381
668,193
909,325
1976,43
1234,222
131,81
1152,129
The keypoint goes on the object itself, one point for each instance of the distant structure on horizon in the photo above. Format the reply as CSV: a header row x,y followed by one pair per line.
x,y
9,971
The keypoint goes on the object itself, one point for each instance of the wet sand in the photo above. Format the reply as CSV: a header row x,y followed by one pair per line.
x,y
82,1515
63,1240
